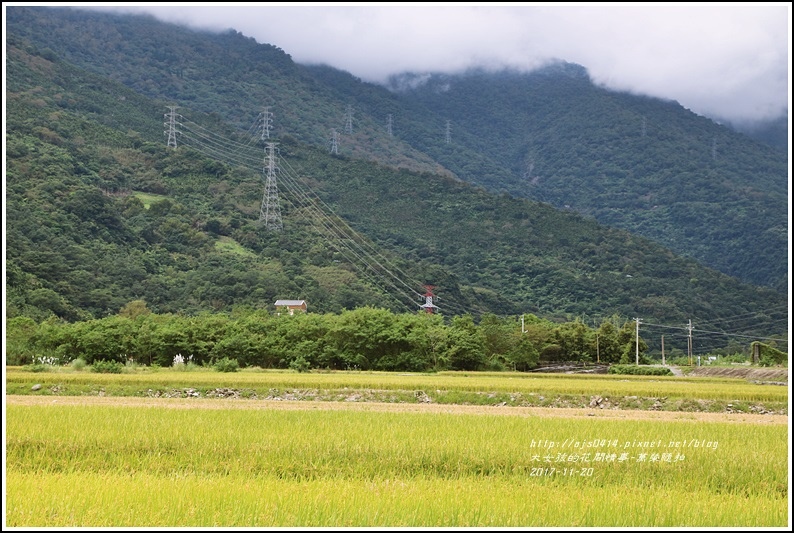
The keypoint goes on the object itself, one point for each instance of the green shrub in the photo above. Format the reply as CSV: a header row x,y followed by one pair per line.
x,y
735,358
226,365
640,370
38,367
770,360
107,367
131,367
299,364
495,365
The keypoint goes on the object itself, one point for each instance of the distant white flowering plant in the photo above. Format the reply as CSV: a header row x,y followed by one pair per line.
x,y
181,363
46,360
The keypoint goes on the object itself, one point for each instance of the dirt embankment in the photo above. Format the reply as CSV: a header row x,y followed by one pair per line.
x,y
214,403
759,375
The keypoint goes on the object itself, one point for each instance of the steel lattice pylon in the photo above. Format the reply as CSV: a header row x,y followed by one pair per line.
x,y
270,211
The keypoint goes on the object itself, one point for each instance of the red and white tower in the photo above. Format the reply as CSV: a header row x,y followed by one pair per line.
x,y
428,306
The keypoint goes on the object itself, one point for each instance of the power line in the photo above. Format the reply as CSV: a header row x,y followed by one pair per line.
x,y
234,153
766,314
741,336
710,334
358,250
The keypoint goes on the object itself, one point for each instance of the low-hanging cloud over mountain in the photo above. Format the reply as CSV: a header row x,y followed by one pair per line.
x,y
725,61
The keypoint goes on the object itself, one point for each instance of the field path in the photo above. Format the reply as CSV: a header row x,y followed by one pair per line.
x,y
206,403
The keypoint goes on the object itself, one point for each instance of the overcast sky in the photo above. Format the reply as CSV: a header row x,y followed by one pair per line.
x,y
728,60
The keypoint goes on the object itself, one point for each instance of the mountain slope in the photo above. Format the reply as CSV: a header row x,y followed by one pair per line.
x,y
225,74
641,164
100,213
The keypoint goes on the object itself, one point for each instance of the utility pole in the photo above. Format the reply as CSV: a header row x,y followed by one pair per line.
x,y
267,123
349,120
270,212
637,342
448,135
689,343
334,146
663,364
388,125
598,350
172,131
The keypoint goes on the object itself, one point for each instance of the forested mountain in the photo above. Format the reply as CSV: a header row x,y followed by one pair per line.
x,y
641,164
100,212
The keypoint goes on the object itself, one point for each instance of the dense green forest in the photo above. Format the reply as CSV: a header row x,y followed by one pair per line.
x,y
640,164
101,213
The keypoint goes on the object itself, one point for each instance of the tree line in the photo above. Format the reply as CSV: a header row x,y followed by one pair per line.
x,y
365,338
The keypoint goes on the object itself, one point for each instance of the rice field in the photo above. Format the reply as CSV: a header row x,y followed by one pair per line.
x,y
117,464
19,382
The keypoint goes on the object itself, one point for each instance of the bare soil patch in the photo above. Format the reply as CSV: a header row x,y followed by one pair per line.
x,y
207,403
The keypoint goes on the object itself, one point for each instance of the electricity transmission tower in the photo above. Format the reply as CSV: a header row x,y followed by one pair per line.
x,y
334,145
171,124
448,135
270,212
349,120
429,306
388,125
267,123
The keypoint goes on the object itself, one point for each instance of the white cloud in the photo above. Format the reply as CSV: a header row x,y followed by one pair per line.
x,y
722,60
